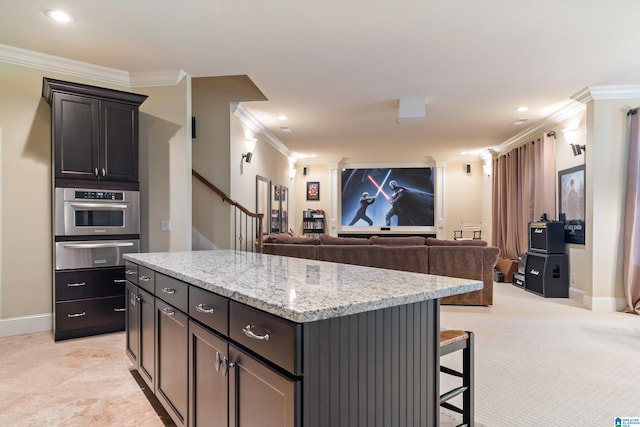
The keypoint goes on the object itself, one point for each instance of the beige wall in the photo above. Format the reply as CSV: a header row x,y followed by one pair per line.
x,y
25,223
165,167
315,172
463,197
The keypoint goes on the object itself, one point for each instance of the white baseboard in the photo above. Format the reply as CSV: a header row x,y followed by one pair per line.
x,y
26,324
607,304
576,295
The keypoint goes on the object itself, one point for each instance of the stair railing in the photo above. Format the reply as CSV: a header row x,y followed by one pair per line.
x,y
247,224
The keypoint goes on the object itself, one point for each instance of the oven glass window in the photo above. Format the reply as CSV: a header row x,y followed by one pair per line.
x,y
99,218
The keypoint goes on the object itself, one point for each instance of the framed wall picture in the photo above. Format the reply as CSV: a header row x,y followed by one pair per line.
x,y
571,203
313,190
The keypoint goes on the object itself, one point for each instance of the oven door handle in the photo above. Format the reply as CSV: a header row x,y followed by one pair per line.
x,y
98,205
97,245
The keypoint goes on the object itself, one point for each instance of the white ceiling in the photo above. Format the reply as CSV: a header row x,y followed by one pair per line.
x,y
338,67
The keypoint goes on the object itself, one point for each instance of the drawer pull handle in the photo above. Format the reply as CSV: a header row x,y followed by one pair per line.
x,y
145,278
118,310
77,314
168,291
168,312
119,280
75,285
131,272
218,361
248,332
203,308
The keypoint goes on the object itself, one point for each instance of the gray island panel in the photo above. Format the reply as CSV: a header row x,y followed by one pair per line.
x,y
301,290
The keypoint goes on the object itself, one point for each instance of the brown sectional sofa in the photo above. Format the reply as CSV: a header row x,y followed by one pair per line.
x,y
468,259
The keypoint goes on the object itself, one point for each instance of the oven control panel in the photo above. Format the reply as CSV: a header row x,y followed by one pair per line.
x,y
99,195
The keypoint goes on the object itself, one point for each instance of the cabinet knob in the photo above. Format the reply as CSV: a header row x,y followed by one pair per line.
x,y
95,172
104,173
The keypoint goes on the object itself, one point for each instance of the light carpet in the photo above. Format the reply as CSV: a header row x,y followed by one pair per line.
x,y
549,362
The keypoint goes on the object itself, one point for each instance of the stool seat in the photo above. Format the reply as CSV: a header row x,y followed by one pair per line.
x,y
451,341
448,337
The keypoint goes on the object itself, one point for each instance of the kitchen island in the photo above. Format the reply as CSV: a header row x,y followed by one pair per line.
x,y
268,340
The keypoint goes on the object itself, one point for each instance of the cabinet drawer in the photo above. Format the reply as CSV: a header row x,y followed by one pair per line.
x,y
101,314
209,309
172,291
131,272
82,284
276,339
146,279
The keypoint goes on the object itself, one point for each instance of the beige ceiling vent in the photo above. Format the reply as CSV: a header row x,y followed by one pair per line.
x,y
411,110
285,129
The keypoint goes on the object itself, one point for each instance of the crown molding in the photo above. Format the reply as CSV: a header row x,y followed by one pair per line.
x,y
157,78
572,108
595,93
42,61
259,128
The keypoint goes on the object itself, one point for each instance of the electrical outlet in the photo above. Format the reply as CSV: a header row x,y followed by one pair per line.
x,y
573,278
165,225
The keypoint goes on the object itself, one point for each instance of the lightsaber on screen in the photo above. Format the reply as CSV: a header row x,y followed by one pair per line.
x,y
379,187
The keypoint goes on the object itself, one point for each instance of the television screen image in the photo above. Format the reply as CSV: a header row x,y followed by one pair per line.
x,y
382,197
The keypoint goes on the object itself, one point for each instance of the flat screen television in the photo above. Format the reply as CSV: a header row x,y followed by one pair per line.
x,y
387,197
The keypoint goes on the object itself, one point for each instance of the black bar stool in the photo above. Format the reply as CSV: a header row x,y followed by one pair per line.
x,y
450,341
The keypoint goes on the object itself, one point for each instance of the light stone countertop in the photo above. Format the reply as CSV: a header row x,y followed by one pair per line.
x,y
300,290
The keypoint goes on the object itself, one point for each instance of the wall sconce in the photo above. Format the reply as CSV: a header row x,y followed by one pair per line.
x,y
571,136
250,143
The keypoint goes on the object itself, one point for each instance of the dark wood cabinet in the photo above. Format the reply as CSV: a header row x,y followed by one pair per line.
x,y
259,395
208,378
201,373
132,323
172,348
94,132
140,325
89,302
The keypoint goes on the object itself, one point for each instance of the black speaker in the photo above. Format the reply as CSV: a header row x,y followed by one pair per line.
x,y
305,171
547,275
546,237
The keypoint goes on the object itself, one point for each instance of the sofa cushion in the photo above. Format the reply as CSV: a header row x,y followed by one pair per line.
x,y
345,254
405,258
325,239
290,250
398,241
431,241
289,239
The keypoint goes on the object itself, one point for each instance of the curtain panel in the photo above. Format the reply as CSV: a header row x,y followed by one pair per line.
x,y
632,219
523,189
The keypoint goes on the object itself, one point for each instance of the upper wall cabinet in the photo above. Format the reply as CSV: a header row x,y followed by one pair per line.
x,y
94,132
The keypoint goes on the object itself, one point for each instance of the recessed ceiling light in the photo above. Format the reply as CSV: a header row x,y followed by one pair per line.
x,y
522,109
520,122
59,15
282,117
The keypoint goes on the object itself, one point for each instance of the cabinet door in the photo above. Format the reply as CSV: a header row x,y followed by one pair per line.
x,y
208,379
132,323
172,348
76,134
119,142
147,329
260,396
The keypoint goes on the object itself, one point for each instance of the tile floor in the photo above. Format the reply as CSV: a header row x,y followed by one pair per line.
x,y
79,382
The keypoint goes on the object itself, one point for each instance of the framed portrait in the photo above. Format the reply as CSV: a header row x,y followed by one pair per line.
x,y
313,190
571,203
